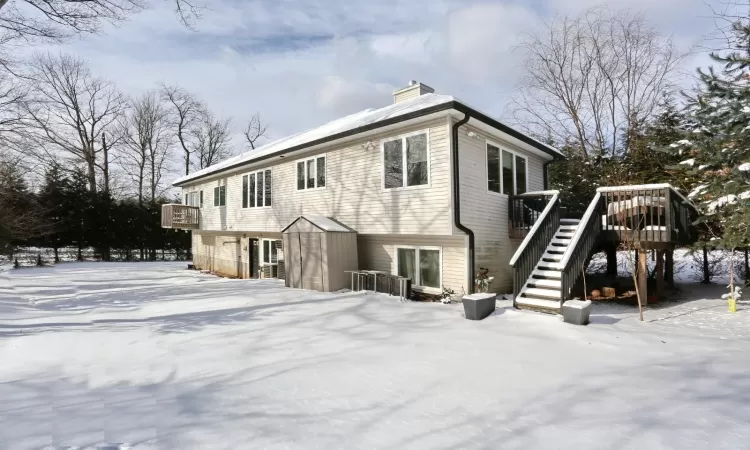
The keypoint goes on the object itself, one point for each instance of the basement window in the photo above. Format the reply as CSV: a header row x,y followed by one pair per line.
x,y
507,171
421,264
257,189
406,161
311,173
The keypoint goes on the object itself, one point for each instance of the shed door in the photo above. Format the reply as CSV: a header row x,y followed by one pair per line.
x,y
292,261
312,270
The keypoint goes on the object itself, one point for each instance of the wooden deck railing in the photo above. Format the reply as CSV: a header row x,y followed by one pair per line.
x,y
654,213
524,210
179,216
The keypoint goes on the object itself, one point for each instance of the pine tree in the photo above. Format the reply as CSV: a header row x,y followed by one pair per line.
x,y
719,144
717,147
52,202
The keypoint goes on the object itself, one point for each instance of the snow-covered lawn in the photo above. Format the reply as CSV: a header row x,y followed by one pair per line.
x,y
159,357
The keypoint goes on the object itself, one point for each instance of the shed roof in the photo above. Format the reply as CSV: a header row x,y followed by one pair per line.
x,y
325,224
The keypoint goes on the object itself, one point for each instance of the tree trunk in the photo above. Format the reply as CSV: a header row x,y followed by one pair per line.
x,y
643,277
80,254
706,274
105,166
669,268
91,175
57,255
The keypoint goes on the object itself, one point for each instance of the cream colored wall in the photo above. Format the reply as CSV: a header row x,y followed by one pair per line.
x,y
485,212
378,252
225,253
354,194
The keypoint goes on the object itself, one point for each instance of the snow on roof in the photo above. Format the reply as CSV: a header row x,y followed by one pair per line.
x,y
342,125
347,123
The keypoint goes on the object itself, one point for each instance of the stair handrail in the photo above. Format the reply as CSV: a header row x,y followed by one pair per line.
x,y
592,208
537,225
580,247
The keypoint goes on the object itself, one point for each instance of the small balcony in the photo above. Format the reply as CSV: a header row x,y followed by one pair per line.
x,y
180,217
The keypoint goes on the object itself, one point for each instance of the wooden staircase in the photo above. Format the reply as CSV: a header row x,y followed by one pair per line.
x,y
555,250
542,291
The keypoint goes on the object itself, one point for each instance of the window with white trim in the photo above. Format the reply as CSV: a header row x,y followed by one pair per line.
x,y
256,189
406,161
506,171
311,173
422,264
191,199
220,196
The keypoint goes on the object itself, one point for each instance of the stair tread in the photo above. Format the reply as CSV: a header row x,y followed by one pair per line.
x,y
545,283
546,273
539,292
547,304
554,256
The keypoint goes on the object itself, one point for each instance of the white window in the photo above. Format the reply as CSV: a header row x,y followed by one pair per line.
x,y
406,161
506,171
220,196
256,189
311,173
271,253
422,264
191,199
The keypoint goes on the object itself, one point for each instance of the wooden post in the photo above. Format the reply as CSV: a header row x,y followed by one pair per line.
x,y
669,268
747,267
706,277
612,260
643,277
660,274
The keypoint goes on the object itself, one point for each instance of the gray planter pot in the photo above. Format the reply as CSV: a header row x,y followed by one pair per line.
x,y
479,306
576,311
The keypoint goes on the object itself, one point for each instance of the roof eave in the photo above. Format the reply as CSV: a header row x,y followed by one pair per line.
x,y
452,105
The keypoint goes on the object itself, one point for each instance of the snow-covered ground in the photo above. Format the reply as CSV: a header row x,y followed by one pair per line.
x,y
158,357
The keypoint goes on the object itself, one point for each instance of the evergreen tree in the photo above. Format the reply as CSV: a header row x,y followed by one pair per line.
x,y
79,206
718,145
53,206
19,210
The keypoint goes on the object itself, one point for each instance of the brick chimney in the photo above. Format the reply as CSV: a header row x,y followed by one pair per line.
x,y
415,89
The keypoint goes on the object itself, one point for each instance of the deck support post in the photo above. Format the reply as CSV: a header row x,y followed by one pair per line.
x,y
669,268
660,274
747,267
706,277
612,260
643,277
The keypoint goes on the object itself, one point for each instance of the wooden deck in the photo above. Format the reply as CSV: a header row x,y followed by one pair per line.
x,y
180,217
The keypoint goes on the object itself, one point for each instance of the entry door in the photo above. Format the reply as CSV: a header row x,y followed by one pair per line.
x,y
253,257
312,261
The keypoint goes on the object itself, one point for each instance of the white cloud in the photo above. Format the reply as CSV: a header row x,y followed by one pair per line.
x,y
301,63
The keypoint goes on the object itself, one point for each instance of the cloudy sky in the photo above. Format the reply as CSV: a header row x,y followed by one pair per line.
x,y
301,63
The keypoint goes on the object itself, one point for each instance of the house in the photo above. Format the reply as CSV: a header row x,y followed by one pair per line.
x,y
425,183
434,190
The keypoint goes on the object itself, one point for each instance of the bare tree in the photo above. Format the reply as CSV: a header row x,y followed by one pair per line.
x,y
148,139
71,109
212,139
591,80
255,130
13,117
56,20
186,112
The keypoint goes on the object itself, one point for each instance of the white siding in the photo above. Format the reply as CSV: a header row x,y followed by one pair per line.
x,y
353,195
485,212
378,252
